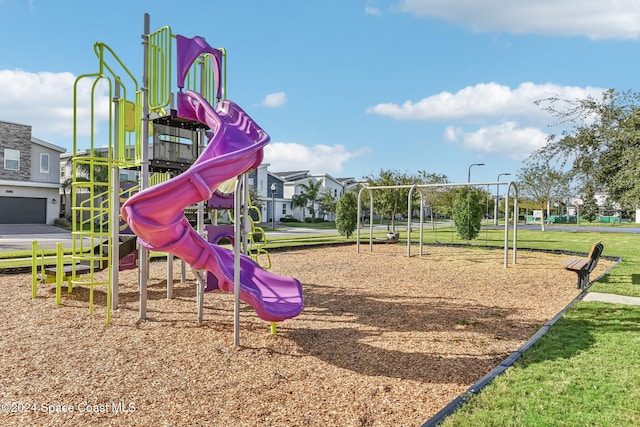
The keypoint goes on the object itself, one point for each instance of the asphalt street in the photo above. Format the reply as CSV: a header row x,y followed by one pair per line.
x,y
19,237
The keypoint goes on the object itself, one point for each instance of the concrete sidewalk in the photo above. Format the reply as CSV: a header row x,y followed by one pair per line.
x,y
611,298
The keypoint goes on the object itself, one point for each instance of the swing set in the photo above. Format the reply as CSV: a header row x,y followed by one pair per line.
x,y
422,190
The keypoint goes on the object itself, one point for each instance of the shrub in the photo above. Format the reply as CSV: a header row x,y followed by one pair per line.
x,y
62,223
288,218
347,214
258,235
310,220
467,212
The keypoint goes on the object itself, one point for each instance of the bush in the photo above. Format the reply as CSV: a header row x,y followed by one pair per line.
x,y
62,223
467,213
347,214
258,235
288,218
310,220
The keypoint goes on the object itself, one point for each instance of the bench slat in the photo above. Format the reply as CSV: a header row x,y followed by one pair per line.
x,y
575,263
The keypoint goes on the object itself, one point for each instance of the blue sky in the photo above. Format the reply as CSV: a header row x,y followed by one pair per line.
x,y
347,87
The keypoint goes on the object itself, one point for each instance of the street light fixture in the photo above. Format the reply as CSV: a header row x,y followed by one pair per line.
x,y
469,173
273,205
495,208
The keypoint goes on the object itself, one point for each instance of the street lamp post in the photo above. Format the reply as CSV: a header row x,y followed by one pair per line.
x,y
470,166
273,206
495,208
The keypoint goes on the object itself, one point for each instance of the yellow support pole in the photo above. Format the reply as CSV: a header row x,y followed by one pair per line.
x,y
59,272
273,328
34,269
91,299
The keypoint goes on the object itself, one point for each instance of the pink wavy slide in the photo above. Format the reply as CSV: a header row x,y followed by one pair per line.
x,y
156,215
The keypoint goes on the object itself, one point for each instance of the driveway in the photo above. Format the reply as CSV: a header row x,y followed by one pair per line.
x,y
19,237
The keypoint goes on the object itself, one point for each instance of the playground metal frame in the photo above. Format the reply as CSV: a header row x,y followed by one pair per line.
x,y
423,187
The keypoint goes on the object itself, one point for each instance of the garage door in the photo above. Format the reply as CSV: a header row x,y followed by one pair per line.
x,y
23,210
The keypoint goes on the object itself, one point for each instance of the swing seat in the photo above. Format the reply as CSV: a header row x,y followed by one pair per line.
x,y
391,238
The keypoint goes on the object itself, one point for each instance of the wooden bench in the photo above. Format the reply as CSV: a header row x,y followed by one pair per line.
x,y
584,266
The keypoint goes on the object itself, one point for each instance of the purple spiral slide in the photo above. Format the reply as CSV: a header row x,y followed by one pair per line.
x,y
156,214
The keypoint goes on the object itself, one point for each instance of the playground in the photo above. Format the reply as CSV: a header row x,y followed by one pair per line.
x,y
383,340
367,338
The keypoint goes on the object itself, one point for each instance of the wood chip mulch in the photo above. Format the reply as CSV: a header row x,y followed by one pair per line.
x,y
384,340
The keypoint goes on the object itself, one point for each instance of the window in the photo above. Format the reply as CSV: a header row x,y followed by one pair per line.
x,y
44,163
284,209
11,159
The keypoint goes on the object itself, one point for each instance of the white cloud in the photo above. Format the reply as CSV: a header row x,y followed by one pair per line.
x,y
595,19
373,11
507,139
452,133
45,102
489,117
277,99
482,102
289,156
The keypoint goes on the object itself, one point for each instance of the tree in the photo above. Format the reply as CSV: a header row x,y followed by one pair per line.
x,y
96,171
93,175
66,188
467,212
254,198
603,144
589,209
392,201
311,193
439,199
347,214
543,185
384,200
299,201
326,202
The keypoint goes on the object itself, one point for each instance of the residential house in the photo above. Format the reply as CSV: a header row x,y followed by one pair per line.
x,y
270,191
292,182
29,177
274,190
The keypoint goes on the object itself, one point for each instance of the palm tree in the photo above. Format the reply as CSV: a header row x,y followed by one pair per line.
x,y
311,193
66,188
99,173
299,201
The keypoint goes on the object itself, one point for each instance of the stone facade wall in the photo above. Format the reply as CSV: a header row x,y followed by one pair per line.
x,y
17,137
